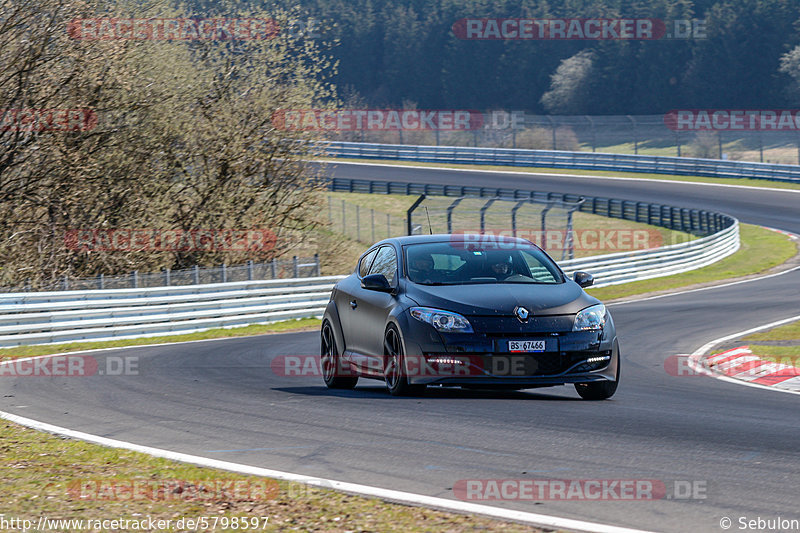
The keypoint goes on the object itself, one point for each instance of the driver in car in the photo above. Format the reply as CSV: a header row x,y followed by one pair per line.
x,y
501,267
421,270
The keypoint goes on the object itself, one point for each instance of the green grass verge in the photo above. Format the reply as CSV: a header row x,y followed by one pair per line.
x,y
789,355
760,251
48,476
771,352
609,173
284,326
787,332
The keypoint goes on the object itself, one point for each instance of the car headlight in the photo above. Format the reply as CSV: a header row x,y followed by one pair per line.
x,y
445,321
593,317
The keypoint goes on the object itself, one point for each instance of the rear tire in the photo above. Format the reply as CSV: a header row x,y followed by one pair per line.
x,y
331,362
394,363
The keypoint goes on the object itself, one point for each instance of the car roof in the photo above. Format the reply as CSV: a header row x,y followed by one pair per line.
x,y
450,237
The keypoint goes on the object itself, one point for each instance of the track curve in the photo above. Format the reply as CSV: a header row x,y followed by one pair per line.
x,y
221,399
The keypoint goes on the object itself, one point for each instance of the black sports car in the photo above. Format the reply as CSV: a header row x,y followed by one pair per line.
x,y
469,311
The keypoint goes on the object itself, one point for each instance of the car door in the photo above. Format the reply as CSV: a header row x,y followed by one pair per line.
x,y
373,308
346,302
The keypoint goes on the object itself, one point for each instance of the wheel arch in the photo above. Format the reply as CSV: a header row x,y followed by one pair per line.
x,y
332,316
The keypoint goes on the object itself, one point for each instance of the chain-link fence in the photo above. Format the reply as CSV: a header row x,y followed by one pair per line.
x,y
623,134
531,219
276,269
442,214
363,224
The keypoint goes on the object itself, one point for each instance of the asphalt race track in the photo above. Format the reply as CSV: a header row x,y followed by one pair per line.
x,y
221,399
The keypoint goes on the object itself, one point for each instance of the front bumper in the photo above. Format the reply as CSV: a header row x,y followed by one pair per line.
x,y
483,358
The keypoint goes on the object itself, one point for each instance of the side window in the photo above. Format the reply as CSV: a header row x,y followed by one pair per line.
x,y
385,263
366,261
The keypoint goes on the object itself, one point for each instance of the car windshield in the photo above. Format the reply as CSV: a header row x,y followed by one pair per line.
x,y
459,263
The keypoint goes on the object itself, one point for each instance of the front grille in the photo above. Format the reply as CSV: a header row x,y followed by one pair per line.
x,y
525,364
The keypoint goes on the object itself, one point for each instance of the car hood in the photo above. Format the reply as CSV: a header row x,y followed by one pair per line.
x,y
500,299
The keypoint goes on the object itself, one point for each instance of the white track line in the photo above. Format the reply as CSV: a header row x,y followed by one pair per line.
x,y
696,359
689,291
557,175
366,490
792,236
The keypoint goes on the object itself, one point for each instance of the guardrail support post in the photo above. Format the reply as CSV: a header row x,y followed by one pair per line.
x,y
100,282
135,279
316,265
224,272
273,270
196,275
250,270
295,267
166,277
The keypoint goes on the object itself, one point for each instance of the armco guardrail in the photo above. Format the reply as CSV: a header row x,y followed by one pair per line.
x,y
619,268
68,316
682,166
697,221
57,317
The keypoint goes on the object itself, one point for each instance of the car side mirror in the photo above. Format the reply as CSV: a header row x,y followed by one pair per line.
x,y
584,279
376,282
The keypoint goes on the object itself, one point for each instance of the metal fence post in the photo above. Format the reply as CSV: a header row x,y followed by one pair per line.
x,y
135,279
166,277
250,270
196,275
295,267
316,265
224,272
273,269
66,283
100,282
358,222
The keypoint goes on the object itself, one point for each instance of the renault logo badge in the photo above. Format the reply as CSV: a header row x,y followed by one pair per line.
x,y
522,314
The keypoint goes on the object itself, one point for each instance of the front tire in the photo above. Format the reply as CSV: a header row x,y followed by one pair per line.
x,y
396,378
600,390
331,362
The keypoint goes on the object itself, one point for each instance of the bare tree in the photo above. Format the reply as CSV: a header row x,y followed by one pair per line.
x,y
183,140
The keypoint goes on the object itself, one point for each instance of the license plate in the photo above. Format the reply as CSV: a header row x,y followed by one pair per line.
x,y
526,346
